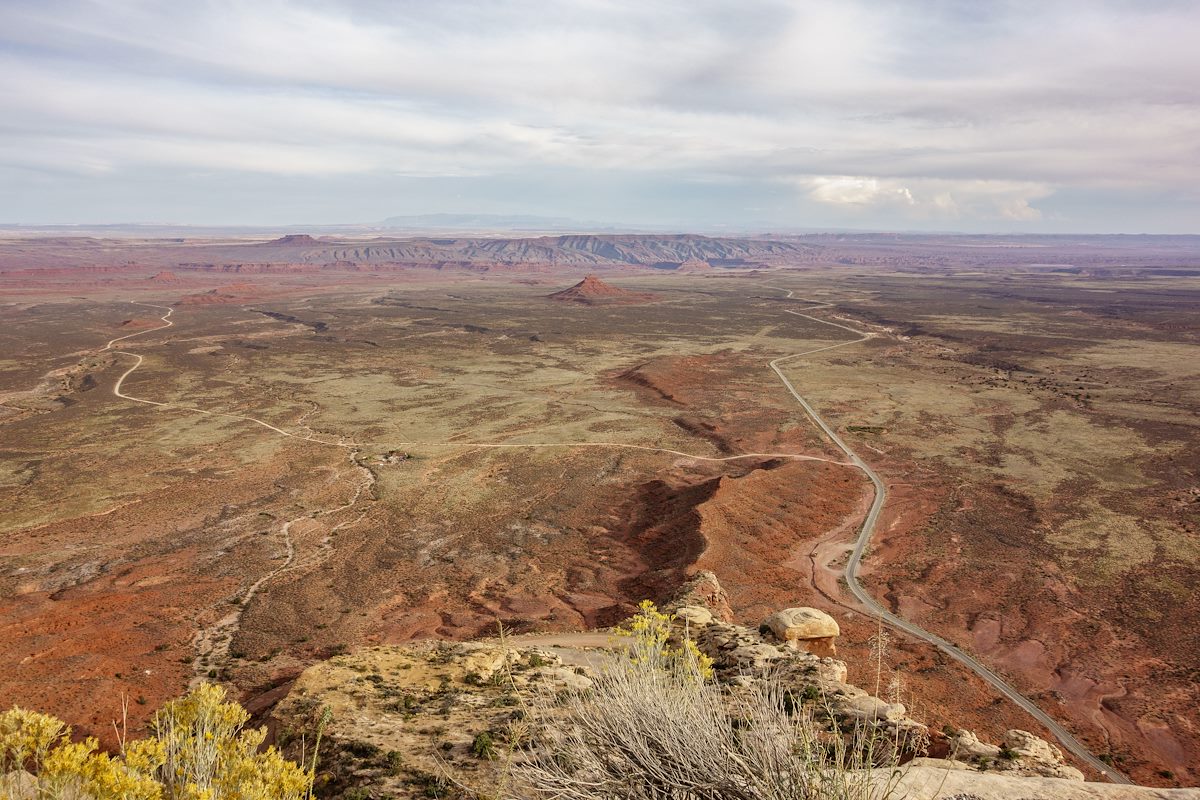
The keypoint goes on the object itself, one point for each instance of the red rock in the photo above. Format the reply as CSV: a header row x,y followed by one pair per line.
x,y
591,291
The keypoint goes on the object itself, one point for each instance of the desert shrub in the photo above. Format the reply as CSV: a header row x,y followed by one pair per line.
x,y
655,726
199,750
38,760
649,648
362,750
483,746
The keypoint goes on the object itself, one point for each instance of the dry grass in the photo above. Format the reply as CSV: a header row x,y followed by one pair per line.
x,y
653,726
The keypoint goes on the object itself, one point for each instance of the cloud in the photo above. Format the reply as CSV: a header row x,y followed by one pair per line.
x,y
924,198
921,109
844,190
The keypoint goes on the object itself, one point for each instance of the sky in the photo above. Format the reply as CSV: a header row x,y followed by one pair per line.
x,y
1048,116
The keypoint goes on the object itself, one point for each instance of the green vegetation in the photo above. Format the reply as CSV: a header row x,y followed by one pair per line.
x,y
483,746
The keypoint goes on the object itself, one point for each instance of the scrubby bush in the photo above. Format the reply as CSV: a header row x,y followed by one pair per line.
x,y
654,725
199,750
649,634
483,746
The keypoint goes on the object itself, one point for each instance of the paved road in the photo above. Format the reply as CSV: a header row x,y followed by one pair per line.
x,y
1064,736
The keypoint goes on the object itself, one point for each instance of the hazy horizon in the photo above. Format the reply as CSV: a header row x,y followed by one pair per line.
x,y
1057,117
376,229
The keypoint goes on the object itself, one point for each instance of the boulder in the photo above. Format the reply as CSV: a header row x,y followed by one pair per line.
x,y
703,590
965,746
866,708
694,616
1022,753
837,671
1024,744
1037,756
805,629
755,657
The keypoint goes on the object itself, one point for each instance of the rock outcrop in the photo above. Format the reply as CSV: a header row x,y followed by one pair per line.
x,y
695,265
928,782
806,629
704,591
1020,751
404,715
593,291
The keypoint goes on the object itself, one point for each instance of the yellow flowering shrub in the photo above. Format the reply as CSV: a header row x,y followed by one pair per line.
x,y
199,750
649,631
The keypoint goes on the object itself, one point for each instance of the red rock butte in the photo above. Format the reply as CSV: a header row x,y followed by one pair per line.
x,y
591,291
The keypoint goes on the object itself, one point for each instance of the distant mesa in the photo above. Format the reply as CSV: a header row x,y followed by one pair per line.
x,y
295,239
695,265
166,276
233,293
593,291
240,289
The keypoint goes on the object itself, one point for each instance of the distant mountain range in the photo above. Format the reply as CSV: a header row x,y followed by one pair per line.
x,y
576,250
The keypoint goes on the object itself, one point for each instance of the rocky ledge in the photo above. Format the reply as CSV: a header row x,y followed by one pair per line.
x,y
414,720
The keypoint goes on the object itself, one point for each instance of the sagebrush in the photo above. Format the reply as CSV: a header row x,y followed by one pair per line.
x,y
654,725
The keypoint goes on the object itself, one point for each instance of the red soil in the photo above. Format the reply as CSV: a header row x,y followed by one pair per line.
x,y
78,651
749,523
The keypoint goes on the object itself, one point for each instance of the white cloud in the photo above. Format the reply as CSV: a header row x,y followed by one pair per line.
x,y
844,190
924,198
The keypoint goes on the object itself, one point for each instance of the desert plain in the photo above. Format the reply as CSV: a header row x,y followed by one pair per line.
x,y
228,458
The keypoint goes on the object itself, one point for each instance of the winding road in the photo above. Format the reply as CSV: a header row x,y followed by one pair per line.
x,y
121,380
1065,737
